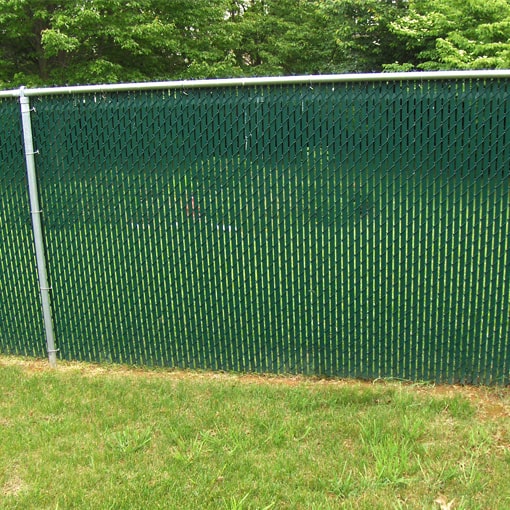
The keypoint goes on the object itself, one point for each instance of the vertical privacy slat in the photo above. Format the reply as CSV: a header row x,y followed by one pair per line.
x,y
20,330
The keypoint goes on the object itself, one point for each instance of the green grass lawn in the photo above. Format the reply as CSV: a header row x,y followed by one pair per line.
x,y
88,436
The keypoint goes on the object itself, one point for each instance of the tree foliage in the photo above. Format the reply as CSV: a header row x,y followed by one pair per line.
x,y
363,34
454,34
95,41
92,41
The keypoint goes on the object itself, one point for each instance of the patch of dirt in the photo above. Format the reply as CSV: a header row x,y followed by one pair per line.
x,y
13,486
490,402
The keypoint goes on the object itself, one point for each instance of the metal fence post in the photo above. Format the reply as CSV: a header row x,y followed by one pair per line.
x,y
37,227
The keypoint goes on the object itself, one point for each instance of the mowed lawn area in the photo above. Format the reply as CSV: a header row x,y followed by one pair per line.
x,y
113,437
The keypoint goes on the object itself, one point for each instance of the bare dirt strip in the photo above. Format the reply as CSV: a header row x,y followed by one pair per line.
x,y
491,402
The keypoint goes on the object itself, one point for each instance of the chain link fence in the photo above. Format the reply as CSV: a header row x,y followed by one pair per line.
x,y
341,228
21,326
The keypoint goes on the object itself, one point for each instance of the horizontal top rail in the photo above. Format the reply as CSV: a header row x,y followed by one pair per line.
x,y
272,80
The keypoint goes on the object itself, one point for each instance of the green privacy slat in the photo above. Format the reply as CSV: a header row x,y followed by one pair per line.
x,y
21,331
344,229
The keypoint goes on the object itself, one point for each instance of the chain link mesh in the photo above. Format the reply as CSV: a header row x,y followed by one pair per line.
x,y
343,229
21,330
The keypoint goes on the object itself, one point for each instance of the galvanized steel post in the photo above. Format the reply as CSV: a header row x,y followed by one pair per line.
x,y
37,227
